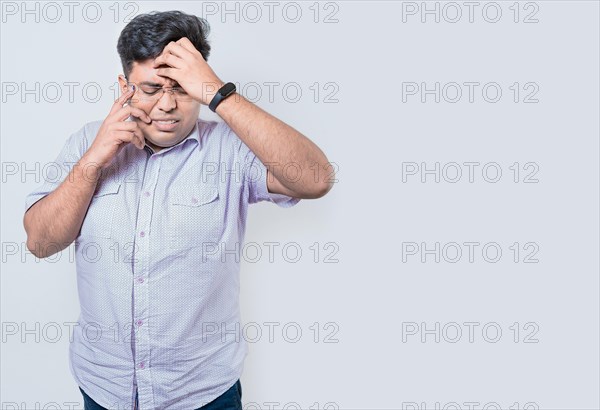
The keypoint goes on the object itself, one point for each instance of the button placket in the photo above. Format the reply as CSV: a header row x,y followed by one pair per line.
x,y
141,291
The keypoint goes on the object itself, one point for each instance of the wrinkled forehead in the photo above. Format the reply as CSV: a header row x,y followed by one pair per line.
x,y
145,72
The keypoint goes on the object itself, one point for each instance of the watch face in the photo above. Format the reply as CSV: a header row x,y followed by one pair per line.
x,y
228,89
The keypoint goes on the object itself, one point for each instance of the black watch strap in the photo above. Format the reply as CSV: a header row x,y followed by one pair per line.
x,y
224,92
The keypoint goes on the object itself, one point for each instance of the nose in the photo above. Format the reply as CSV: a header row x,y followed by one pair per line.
x,y
167,101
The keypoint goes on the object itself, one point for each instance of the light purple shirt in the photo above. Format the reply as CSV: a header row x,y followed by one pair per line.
x,y
165,318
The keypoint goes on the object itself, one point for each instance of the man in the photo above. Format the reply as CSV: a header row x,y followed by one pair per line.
x,y
156,201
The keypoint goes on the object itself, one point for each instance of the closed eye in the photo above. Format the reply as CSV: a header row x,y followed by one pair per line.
x,y
151,90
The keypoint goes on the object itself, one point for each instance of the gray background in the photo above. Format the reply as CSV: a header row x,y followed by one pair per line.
x,y
373,290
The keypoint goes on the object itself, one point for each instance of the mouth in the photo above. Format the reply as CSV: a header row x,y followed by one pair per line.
x,y
165,125
165,121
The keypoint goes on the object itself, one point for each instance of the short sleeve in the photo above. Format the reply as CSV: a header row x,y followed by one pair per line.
x,y
55,172
257,184
254,174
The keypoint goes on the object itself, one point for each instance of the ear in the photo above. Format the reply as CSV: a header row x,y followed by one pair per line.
x,y
122,83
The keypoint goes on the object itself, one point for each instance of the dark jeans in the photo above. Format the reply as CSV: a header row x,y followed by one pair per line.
x,y
230,400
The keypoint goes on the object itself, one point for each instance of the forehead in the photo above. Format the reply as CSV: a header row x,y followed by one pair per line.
x,y
143,71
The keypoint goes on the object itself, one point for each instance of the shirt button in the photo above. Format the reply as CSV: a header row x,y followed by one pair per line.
x,y
147,193
142,234
141,365
139,323
194,200
140,280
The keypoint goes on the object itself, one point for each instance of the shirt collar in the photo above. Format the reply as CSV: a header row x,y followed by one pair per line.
x,y
193,135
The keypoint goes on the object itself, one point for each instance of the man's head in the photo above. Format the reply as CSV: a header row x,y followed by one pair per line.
x,y
140,42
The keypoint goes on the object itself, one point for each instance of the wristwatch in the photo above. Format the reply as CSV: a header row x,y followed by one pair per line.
x,y
224,92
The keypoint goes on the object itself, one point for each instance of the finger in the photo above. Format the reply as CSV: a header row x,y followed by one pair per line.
x,y
141,114
119,102
176,49
172,73
137,139
179,50
141,138
130,137
125,126
183,42
125,112
168,59
132,127
187,44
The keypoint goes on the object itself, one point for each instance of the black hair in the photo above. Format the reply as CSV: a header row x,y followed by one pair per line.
x,y
147,34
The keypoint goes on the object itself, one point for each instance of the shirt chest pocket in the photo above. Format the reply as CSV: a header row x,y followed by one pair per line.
x,y
99,219
195,217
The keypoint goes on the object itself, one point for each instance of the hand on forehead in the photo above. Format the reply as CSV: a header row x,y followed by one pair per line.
x,y
166,81
145,72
